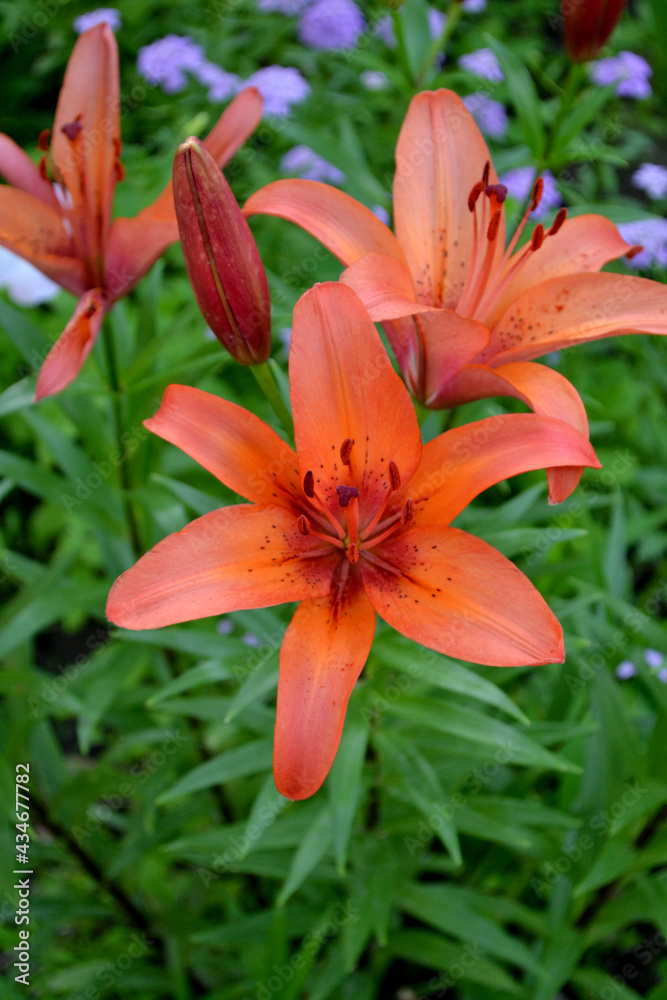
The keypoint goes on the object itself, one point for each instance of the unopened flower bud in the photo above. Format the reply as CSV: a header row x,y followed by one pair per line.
x,y
588,24
221,256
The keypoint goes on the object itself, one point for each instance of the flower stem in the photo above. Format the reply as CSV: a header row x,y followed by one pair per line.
x,y
266,380
115,391
439,44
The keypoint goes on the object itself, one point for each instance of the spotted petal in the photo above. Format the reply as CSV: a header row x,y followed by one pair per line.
x,y
65,359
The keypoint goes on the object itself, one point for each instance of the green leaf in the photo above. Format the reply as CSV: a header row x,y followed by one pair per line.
x,y
314,846
344,784
523,95
204,673
436,952
239,762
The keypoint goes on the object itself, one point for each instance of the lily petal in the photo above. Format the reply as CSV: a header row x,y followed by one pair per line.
x,y
454,593
65,359
439,157
384,285
239,449
322,655
459,464
35,232
87,158
573,310
347,228
338,360
135,244
231,559
19,170
585,243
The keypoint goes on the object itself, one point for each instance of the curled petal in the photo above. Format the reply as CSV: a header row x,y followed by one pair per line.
x,y
19,170
65,359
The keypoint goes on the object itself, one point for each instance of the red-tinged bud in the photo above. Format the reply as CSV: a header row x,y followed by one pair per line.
x,y
221,257
588,24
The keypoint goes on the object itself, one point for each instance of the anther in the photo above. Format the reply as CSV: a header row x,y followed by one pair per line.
x,y
43,172
475,192
43,139
561,216
353,553
119,171
498,191
394,476
633,251
538,188
346,451
485,173
71,130
303,524
345,494
492,231
309,484
408,512
537,238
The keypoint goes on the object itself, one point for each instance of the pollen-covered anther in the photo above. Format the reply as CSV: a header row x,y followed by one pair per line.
x,y
43,169
561,216
353,553
538,188
71,130
119,171
43,139
475,192
537,238
346,451
633,251
309,484
497,191
408,512
303,524
394,476
486,172
345,494
494,225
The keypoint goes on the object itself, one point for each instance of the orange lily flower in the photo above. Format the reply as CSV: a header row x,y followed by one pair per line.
x,y
466,317
58,215
356,521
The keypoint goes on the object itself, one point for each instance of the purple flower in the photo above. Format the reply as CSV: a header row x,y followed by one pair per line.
x,y
662,675
626,670
382,213
490,115
306,163
280,87
653,658
384,29
105,15
652,234
288,7
374,79
285,336
221,85
436,22
225,625
483,63
651,178
162,63
251,640
519,183
628,71
473,6
26,286
332,24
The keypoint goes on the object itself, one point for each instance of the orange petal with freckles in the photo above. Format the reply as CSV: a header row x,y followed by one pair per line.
x,y
322,655
439,157
19,170
231,559
384,285
347,228
584,243
65,359
459,464
343,386
35,232
135,244
454,593
573,310
239,449
90,96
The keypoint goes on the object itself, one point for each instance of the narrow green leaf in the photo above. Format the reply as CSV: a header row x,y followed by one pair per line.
x,y
523,95
239,762
315,844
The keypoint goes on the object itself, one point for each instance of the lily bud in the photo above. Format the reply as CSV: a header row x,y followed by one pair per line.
x,y
588,24
221,256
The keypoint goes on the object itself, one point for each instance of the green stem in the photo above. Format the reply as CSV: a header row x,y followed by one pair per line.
x,y
115,391
453,15
267,383
576,74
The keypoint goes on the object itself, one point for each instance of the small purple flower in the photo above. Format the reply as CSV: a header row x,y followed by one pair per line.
x,y
473,6
374,79
162,63
490,115
384,29
251,640
221,85
436,22
224,626
288,7
381,213
626,670
105,15
483,63
26,286
630,72
306,163
519,183
280,87
332,25
285,336
651,178
652,234
662,675
653,658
